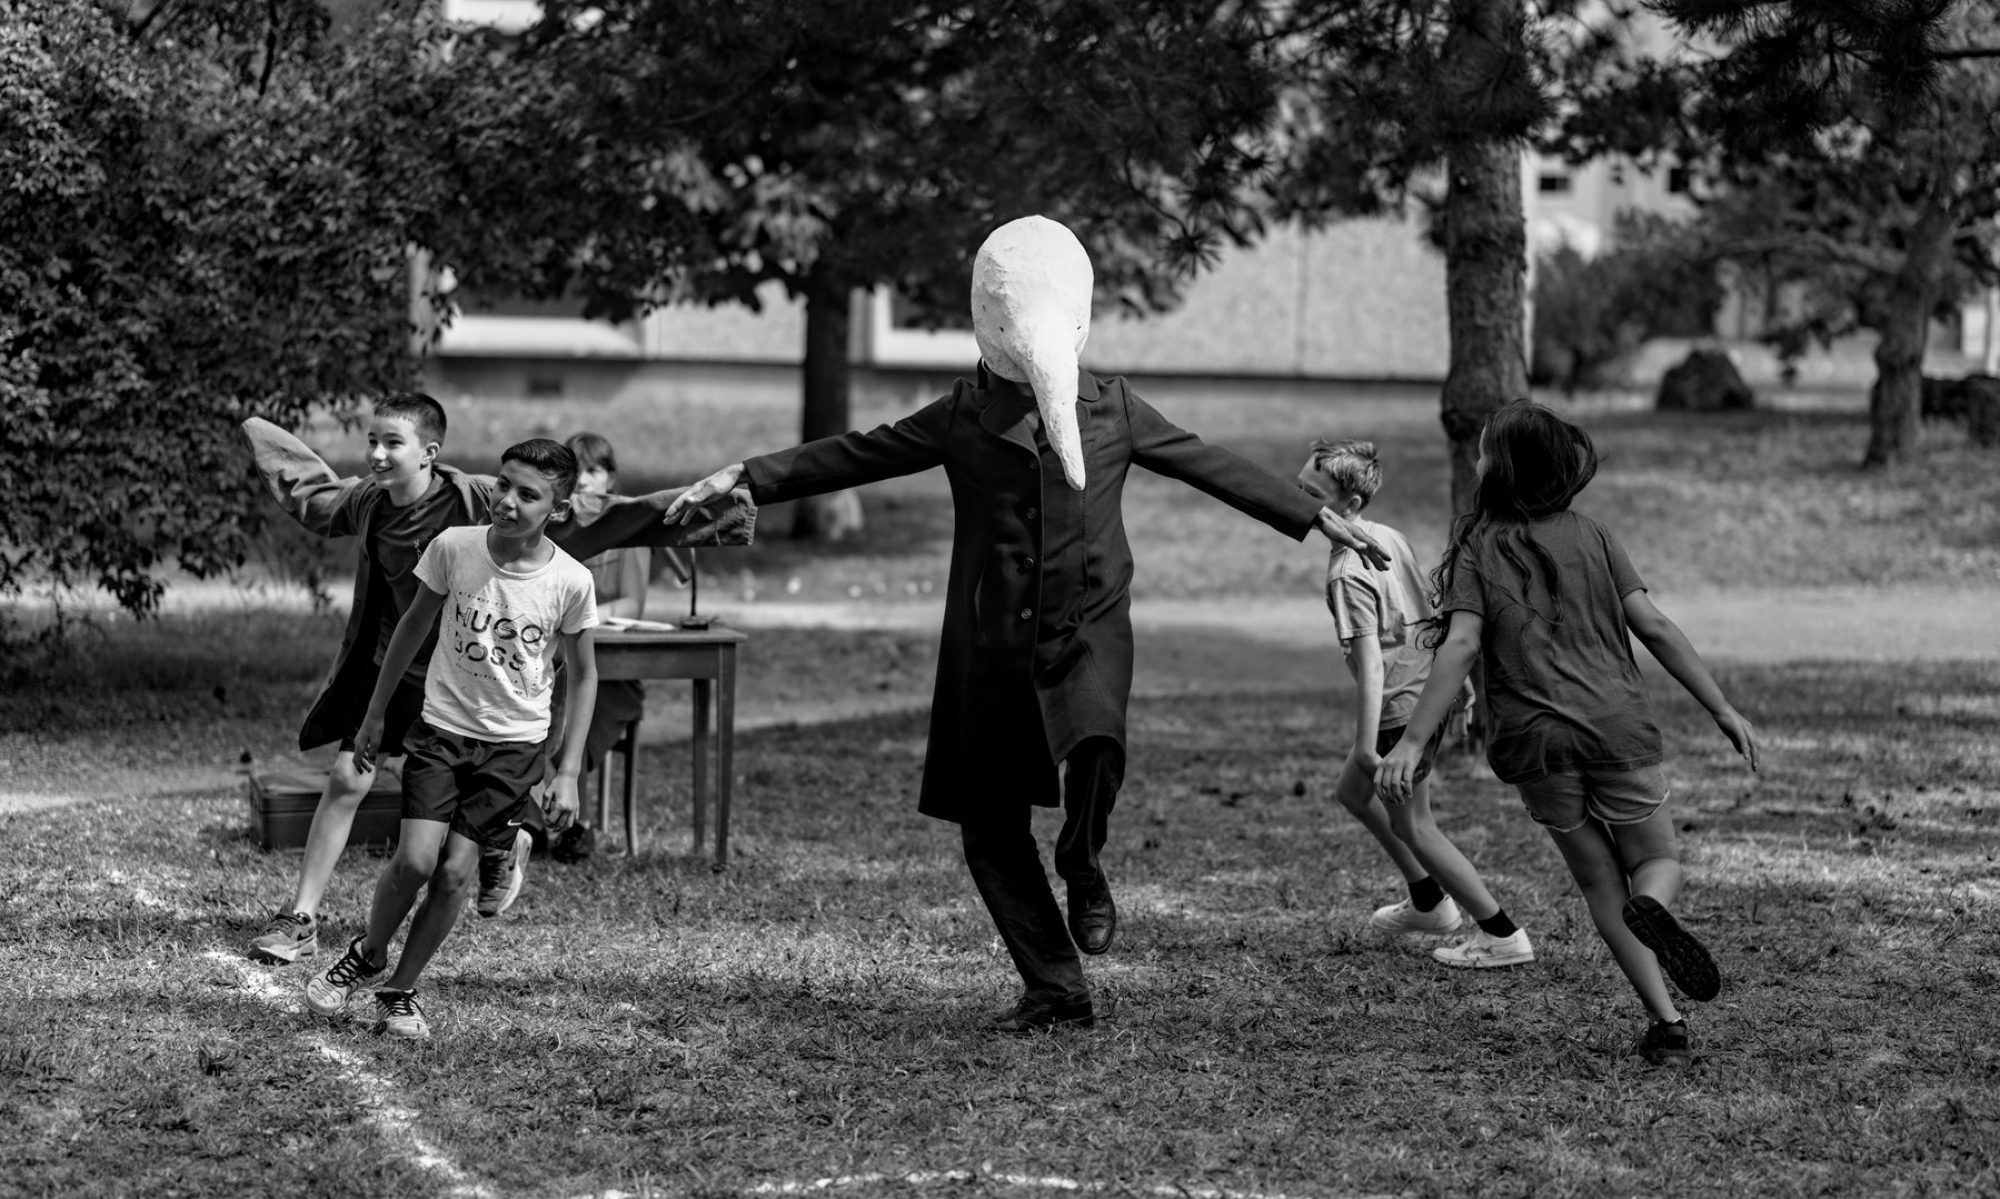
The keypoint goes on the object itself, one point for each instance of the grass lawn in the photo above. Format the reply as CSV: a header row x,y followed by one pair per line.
x,y
645,1025
1766,498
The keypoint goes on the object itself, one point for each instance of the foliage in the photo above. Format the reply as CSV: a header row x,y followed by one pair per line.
x,y
1856,161
183,251
860,142
210,207
1652,282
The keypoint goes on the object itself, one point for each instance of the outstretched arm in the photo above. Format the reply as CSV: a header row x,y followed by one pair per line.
x,y
302,483
1165,448
1671,648
831,463
1393,778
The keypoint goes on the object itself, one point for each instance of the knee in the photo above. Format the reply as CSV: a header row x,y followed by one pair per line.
x,y
456,873
408,871
345,787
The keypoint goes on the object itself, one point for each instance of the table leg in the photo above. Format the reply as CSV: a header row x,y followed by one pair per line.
x,y
632,787
602,779
702,689
725,738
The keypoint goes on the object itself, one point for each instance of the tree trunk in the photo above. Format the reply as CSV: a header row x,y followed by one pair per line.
x,y
1485,280
827,410
1485,265
1895,403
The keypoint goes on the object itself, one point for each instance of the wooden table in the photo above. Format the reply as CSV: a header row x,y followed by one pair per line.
x,y
708,657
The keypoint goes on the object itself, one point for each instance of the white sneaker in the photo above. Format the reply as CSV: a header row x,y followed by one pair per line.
x,y
1482,950
501,873
399,1015
1405,918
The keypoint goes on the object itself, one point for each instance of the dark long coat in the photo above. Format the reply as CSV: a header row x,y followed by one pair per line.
x,y
1037,641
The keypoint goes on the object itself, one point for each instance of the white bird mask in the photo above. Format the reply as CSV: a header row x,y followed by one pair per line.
x,y
1031,289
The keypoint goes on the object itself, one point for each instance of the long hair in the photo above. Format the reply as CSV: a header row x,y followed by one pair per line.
x,y
1536,463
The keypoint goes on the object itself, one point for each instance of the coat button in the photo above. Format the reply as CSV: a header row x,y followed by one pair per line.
x,y
1028,563
1033,513
1026,613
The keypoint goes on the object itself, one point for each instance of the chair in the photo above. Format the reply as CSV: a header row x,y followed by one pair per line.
x,y
626,746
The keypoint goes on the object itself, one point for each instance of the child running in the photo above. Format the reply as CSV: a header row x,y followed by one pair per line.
x,y
1545,598
1377,614
509,597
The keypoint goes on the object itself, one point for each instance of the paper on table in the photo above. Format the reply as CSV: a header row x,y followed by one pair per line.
x,y
637,626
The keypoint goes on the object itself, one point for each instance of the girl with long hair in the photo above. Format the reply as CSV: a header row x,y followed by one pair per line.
x,y
1546,600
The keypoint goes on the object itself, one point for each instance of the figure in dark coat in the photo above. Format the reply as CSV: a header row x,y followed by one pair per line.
x,y
1035,666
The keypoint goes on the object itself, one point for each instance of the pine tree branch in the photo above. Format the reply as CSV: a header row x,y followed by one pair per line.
x,y
1807,243
1967,53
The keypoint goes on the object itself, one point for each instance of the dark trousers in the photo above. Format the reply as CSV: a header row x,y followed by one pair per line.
x,y
1007,868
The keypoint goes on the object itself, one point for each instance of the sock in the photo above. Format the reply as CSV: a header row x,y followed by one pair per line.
x,y
1498,925
1425,894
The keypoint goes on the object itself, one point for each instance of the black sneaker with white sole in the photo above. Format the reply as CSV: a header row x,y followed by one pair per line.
x,y
1685,959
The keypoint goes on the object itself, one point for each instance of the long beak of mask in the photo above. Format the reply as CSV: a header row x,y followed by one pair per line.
x,y
1031,289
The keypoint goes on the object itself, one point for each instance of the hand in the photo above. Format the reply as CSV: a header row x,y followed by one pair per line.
x,y
560,803
685,504
1393,778
367,739
1740,733
1341,531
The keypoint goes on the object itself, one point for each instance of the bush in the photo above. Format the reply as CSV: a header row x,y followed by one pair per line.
x,y
1589,312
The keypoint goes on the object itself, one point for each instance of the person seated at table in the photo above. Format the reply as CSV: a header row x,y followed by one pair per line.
x,y
621,577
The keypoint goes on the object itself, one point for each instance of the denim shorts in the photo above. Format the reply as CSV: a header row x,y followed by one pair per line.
x,y
1564,800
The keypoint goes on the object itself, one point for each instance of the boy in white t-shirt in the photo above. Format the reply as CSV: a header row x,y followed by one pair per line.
x,y
1376,615
503,598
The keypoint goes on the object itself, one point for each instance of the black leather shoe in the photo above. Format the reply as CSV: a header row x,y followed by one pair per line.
x,y
1033,1015
1093,918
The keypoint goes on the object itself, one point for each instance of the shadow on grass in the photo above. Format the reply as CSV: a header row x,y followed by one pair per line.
x,y
818,1009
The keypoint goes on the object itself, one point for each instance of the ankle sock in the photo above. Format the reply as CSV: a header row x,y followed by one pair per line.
x,y
1425,894
1498,924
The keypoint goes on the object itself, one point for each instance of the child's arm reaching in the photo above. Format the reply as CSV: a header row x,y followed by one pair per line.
x,y
1671,648
411,630
1364,662
1448,673
301,481
579,699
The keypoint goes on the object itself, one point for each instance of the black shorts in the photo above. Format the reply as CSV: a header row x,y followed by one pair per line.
x,y
480,788
406,707
1388,739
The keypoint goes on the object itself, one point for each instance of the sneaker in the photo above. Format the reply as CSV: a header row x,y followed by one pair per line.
x,y
501,873
1404,917
1666,1044
1482,950
1681,956
399,1016
328,993
287,937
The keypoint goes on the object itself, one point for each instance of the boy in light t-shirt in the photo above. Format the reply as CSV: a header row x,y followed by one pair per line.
x,y
503,598
1376,615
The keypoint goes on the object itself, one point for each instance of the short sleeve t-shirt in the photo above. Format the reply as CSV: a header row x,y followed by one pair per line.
x,y
394,541
493,674
1563,686
1388,605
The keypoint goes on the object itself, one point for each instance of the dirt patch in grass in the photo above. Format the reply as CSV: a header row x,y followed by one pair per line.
x,y
816,1010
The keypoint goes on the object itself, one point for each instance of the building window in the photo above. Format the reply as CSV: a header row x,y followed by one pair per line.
x,y
1677,180
1552,183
